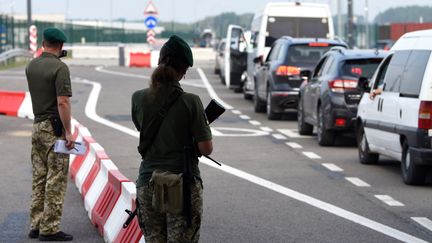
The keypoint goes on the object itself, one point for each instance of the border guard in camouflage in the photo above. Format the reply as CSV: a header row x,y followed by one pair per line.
x,y
50,88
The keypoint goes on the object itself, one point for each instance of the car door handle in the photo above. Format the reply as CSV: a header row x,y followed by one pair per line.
x,y
380,104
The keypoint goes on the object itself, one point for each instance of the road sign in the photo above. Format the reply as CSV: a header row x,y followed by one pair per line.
x,y
150,9
150,22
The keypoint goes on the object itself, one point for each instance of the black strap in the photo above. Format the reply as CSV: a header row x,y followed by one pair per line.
x,y
148,134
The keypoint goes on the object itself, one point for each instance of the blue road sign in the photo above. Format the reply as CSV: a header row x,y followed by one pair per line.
x,y
150,22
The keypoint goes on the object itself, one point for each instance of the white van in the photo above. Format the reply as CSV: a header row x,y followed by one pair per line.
x,y
294,19
395,118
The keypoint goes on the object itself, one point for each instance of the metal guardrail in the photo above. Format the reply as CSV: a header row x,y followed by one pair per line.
x,y
14,53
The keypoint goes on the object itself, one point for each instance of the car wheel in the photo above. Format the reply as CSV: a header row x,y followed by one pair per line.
x,y
303,127
412,174
247,96
325,137
216,71
259,106
270,114
365,156
223,80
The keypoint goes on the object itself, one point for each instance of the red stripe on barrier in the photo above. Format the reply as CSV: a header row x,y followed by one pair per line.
x,y
139,59
107,200
78,161
132,234
100,155
10,102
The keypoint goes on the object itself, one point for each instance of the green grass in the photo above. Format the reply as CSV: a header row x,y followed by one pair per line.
x,y
13,65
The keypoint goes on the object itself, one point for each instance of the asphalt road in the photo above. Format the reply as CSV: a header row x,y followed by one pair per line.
x,y
274,185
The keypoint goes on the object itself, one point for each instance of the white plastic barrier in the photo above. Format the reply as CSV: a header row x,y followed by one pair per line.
x,y
87,164
99,52
26,109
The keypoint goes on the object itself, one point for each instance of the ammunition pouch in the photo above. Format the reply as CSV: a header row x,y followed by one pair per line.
x,y
168,192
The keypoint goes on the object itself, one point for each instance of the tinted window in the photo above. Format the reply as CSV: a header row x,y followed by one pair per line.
x,y
382,73
414,72
305,55
295,27
235,38
360,67
327,66
273,55
394,71
319,67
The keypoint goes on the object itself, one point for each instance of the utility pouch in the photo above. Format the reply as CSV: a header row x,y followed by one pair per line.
x,y
57,126
168,192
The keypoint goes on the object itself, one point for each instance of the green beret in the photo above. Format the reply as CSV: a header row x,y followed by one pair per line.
x,y
178,47
54,35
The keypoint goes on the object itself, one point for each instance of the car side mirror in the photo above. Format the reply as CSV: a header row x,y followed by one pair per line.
x,y
306,75
363,84
258,60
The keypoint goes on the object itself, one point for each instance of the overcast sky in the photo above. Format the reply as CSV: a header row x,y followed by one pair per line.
x,y
178,10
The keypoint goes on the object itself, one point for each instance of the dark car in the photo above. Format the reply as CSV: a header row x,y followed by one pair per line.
x,y
278,79
329,99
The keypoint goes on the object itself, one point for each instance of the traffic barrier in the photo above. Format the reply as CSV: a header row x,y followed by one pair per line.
x,y
87,164
118,215
108,199
140,59
10,102
26,109
75,165
98,185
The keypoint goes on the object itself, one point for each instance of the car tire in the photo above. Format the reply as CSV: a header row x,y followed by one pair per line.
x,y
364,155
247,96
216,71
412,174
259,106
269,108
303,127
222,80
325,137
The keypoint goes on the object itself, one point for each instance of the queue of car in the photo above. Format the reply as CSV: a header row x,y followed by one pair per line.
x,y
381,98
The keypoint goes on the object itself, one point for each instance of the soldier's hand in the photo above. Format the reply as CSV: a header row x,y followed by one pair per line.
x,y
70,143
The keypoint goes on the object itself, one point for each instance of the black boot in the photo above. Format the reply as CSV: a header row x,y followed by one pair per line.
x,y
33,234
59,236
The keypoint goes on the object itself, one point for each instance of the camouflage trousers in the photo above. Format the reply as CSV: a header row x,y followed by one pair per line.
x,y
165,227
49,184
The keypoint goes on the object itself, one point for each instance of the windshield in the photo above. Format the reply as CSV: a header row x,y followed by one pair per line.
x,y
295,27
306,54
360,67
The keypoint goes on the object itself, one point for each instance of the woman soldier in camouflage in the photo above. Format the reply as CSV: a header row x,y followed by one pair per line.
x,y
184,122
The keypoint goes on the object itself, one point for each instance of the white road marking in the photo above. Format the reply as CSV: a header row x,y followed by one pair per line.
x,y
332,167
255,123
279,136
211,91
245,117
102,70
332,209
266,129
237,132
389,201
294,145
237,112
357,181
425,222
312,155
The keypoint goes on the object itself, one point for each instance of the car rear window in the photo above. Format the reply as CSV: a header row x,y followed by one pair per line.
x,y
306,54
295,27
414,71
360,67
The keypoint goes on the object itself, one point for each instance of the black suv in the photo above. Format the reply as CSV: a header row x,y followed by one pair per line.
x,y
278,79
329,98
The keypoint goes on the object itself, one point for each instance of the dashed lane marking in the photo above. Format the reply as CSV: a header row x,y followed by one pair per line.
x,y
312,155
332,167
266,129
244,117
237,112
389,201
294,145
279,136
292,133
255,123
425,222
357,181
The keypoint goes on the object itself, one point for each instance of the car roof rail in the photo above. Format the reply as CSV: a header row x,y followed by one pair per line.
x,y
340,49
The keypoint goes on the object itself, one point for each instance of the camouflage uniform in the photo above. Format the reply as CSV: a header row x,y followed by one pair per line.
x,y
49,179
165,227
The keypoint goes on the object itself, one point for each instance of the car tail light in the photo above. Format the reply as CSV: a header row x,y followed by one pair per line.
x,y
340,122
425,115
287,71
340,85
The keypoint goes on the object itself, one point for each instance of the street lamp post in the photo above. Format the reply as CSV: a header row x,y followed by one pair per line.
x,y
29,20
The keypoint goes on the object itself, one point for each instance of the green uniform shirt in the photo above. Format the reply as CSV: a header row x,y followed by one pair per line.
x,y
47,78
185,119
